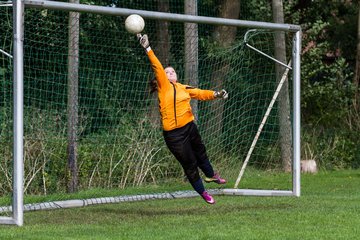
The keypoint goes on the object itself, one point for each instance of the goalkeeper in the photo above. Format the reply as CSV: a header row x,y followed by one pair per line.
x,y
180,132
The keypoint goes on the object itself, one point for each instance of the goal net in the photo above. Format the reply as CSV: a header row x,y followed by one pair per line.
x,y
90,121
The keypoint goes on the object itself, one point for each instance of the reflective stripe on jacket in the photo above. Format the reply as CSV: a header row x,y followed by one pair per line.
x,y
174,98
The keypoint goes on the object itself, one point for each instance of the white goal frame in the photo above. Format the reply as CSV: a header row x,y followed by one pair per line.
x,y
18,207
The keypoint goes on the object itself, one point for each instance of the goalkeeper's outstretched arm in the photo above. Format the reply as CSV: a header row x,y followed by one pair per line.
x,y
161,73
156,65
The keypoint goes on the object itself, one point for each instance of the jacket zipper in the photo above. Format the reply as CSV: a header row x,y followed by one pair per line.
x,y
174,104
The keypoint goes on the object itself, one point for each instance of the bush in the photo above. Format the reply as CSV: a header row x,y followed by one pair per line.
x,y
331,149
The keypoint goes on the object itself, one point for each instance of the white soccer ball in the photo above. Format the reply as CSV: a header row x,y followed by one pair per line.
x,y
134,24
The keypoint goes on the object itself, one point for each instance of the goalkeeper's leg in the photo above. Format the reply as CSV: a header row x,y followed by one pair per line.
x,y
181,148
202,158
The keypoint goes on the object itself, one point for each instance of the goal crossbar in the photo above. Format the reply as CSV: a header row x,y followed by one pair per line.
x,y
76,7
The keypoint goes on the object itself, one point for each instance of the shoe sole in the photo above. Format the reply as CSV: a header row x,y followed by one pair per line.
x,y
209,180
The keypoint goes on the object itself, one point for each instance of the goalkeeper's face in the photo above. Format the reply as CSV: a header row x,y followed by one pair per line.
x,y
171,74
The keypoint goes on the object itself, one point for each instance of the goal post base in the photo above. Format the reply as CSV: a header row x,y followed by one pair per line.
x,y
8,221
254,192
134,198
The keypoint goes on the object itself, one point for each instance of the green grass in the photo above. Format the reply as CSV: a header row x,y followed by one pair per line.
x,y
329,208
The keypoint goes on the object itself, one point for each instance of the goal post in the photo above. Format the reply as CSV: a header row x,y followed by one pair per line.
x,y
18,166
114,110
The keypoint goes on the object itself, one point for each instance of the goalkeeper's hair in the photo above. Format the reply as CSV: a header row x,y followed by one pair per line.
x,y
153,85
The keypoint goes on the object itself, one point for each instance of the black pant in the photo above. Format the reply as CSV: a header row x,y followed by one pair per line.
x,y
186,145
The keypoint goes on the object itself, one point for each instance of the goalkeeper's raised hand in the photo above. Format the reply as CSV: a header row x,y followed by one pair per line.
x,y
221,94
144,41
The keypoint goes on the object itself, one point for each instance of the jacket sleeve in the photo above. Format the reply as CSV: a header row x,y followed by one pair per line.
x,y
159,71
200,94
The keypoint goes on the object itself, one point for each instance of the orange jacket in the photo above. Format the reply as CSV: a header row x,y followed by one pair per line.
x,y
174,98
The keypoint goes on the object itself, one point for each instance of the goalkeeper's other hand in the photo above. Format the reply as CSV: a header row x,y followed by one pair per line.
x,y
144,40
221,94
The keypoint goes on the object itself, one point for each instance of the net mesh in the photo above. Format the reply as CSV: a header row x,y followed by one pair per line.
x,y
118,132
5,105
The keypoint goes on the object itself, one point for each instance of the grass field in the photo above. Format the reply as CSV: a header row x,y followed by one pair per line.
x,y
329,208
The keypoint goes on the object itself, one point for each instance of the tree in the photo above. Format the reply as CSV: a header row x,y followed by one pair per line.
x,y
223,37
191,49
73,95
357,64
284,103
163,34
